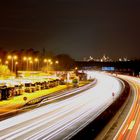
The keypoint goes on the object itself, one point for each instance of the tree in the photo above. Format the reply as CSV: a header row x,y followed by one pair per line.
x,y
3,54
65,62
4,70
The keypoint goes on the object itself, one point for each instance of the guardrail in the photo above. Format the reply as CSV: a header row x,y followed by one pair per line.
x,y
58,96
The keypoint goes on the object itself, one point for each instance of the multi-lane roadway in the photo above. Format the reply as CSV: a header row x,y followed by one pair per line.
x,y
130,128
64,118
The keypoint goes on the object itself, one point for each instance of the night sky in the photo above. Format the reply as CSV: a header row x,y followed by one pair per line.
x,y
77,27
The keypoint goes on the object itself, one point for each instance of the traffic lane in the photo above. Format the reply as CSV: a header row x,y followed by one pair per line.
x,y
134,132
67,94
62,124
59,110
84,97
12,110
49,107
130,126
68,119
100,97
128,123
132,117
133,124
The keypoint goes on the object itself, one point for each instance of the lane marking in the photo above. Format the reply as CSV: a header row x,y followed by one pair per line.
x,y
124,129
138,129
131,125
127,117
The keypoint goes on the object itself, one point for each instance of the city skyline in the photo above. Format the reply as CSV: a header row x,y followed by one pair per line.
x,y
49,54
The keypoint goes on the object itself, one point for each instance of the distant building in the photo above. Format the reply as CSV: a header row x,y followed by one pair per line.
x,y
124,59
104,58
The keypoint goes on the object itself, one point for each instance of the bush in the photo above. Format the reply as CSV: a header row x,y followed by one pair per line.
x,y
75,81
4,70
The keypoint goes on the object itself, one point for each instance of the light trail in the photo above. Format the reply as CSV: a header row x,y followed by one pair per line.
x,y
130,127
63,119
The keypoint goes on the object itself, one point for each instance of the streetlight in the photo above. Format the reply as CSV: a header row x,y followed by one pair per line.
x,y
45,60
76,68
6,62
31,64
16,63
51,63
56,62
0,61
27,59
12,58
48,61
37,61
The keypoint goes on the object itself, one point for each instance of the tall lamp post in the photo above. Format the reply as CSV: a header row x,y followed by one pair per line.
x,y
27,59
47,61
31,65
6,62
0,61
37,61
12,58
16,63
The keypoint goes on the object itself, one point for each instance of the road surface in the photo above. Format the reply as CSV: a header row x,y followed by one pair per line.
x,y
131,126
63,119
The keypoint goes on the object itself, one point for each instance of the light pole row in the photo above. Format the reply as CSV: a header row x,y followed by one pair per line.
x,y
28,60
50,62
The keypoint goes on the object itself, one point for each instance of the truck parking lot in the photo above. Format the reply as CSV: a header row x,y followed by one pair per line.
x,y
16,87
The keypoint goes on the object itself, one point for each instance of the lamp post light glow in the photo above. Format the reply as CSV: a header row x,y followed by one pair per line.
x,y
56,62
0,61
27,59
51,63
15,57
9,57
48,61
76,68
6,62
37,61
31,64
24,58
12,58
16,63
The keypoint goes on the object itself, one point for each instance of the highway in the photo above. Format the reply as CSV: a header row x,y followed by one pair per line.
x,y
130,128
64,118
